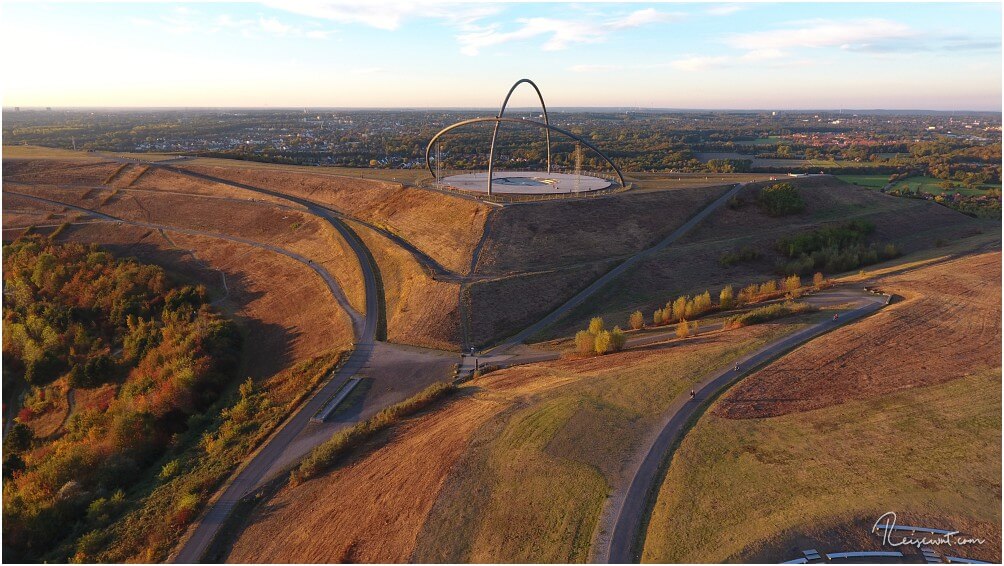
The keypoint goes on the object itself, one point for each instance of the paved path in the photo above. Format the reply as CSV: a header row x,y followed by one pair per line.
x,y
623,518
627,264
248,477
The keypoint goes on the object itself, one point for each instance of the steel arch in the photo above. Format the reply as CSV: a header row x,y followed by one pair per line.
x,y
497,119
495,131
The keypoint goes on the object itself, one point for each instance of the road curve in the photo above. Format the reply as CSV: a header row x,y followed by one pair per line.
x,y
609,276
628,509
247,477
332,284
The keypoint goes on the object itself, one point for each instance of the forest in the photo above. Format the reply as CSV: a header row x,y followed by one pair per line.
x,y
111,363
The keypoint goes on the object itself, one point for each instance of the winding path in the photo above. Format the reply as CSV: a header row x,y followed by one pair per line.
x,y
248,476
617,271
621,537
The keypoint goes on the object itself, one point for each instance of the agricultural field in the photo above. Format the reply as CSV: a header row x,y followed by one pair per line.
x,y
838,432
928,185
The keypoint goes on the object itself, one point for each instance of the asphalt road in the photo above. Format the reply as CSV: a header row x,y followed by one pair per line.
x,y
365,325
627,509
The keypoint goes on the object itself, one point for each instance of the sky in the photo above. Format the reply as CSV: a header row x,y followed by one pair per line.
x,y
358,53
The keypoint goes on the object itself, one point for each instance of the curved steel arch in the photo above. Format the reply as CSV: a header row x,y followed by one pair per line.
x,y
497,119
495,131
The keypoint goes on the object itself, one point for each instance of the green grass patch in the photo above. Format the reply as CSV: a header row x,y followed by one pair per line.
x,y
870,181
933,186
734,484
766,313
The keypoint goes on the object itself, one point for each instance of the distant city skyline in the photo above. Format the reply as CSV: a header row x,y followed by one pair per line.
x,y
786,56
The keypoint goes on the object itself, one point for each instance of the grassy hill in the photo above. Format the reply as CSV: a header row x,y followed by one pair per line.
x,y
809,451
695,263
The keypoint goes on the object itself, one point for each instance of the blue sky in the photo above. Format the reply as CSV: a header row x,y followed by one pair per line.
x,y
418,54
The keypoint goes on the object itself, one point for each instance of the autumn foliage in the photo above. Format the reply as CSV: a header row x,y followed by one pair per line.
x,y
155,353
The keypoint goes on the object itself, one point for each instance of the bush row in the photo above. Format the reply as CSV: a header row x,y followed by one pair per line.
x,y
326,455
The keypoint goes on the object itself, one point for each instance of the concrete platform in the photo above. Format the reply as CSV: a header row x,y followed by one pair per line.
x,y
527,182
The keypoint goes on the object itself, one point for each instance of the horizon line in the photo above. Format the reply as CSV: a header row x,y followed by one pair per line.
x,y
15,108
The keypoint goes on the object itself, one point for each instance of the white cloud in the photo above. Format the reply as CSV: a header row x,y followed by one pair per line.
x,y
384,14
274,26
268,26
560,33
823,33
700,63
724,9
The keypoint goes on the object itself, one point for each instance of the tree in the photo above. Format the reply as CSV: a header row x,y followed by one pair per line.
x,y
682,329
595,325
767,287
680,308
617,339
637,320
657,317
725,298
818,280
19,438
585,342
702,303
780,199
792,283
604,342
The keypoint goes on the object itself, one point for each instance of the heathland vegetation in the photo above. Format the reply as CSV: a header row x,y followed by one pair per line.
x,y
122,360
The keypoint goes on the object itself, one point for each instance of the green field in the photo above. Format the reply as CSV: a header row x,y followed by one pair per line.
x,y
870,181
929,185
737,484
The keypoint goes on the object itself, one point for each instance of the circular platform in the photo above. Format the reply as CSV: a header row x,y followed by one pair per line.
x,y
527,182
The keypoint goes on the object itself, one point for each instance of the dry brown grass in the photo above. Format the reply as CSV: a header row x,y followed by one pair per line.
x,y
947,327
516,468
289,229
372,509
419,310
59,171
692,265
662,181
557,233
166,180
446,228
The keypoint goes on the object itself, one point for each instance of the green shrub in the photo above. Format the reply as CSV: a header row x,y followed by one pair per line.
x,y
735,257
327,454
765,313
780,199
617,339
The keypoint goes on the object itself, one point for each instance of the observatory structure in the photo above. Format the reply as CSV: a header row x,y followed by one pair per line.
x,y
522,182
